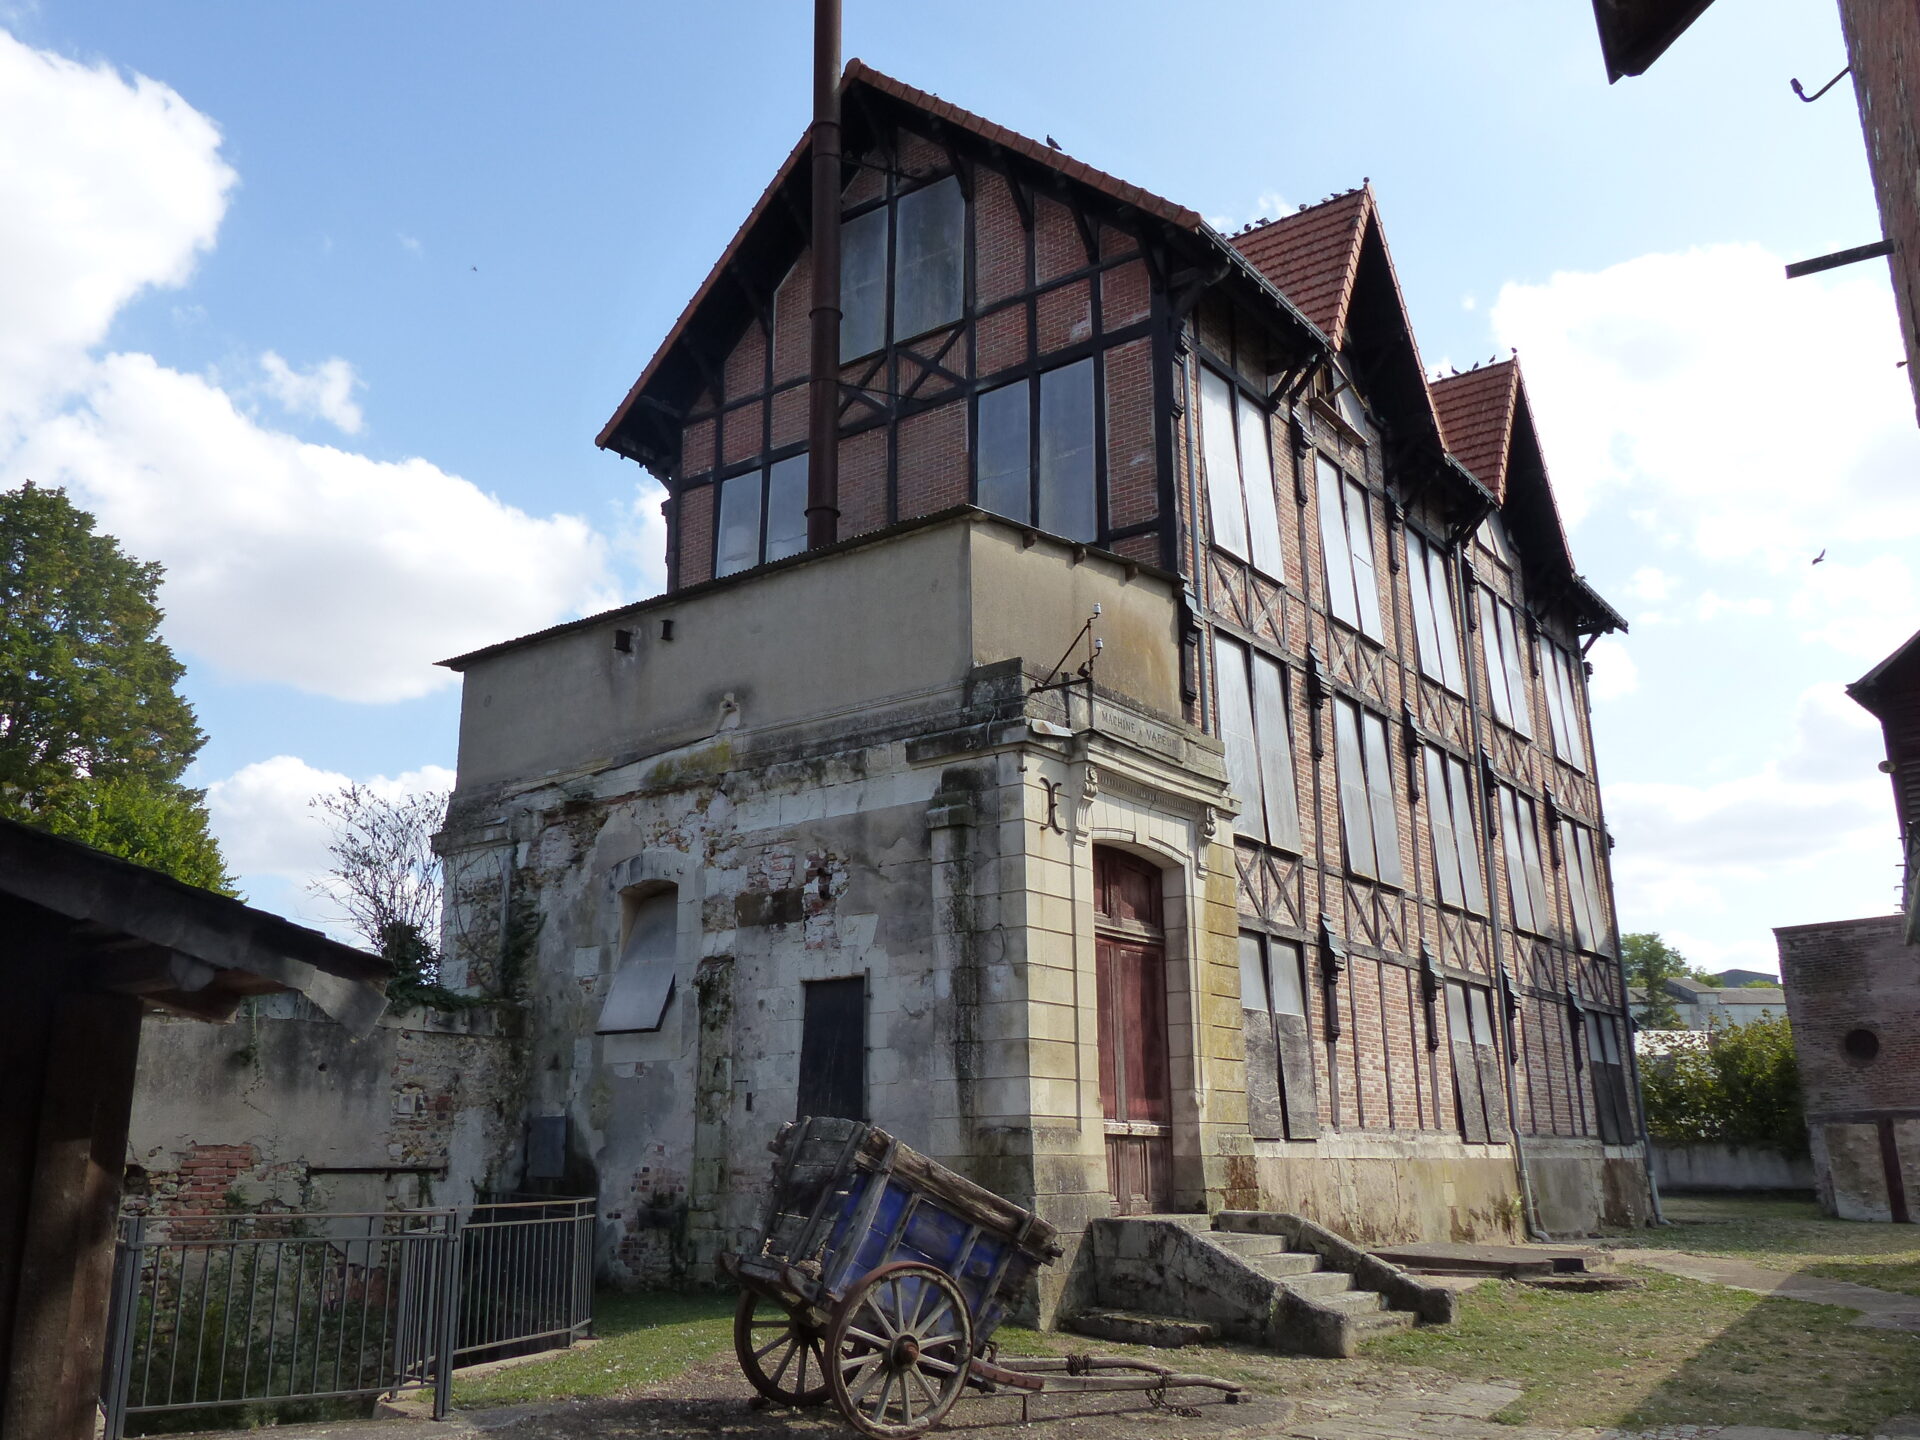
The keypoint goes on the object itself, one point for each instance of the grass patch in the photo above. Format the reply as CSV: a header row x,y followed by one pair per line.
x,y
1678,1352
645,1336
1786,1234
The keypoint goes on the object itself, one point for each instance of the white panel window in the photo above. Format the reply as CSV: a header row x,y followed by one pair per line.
x,y
1500,631
1577,853
1256,480
1435,629
1254,728
1237,448
1557,669
642,986
1456,845
1526,885
1346,545
1368,818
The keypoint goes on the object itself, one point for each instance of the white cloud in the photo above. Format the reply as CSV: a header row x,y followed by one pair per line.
x,y
1807,835
288,562
324,392
1651,584
108,185
263,817
412,246
1614,672
299,563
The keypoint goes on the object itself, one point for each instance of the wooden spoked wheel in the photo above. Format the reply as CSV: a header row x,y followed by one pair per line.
x,y
783,1356
899,1347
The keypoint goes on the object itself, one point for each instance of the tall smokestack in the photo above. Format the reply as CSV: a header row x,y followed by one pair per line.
x,y
823,414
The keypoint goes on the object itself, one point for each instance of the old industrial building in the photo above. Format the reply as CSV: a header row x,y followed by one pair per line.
x,y
1853,994
1172,791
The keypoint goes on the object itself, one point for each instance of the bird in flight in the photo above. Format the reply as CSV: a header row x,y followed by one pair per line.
x,y
1818,558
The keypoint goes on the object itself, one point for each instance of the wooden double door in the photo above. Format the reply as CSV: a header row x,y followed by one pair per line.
x,y
1136,1090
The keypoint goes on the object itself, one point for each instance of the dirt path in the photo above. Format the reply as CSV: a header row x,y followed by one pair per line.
x,y
1879,1309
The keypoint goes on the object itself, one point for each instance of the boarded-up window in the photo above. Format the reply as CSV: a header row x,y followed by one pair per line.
x,y
1477,1090
1456,839
1346,543
1506,664
1368,818
1434,626
1254,728
1526,886
833,1049
1609,1079
1563,704
1282,1101
637,1000
1238,450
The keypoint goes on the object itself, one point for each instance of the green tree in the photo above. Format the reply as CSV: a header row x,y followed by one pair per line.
x,y
1739,1085
1651,962
93,735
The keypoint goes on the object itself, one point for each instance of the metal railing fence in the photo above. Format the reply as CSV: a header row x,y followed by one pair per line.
x,y
213,1311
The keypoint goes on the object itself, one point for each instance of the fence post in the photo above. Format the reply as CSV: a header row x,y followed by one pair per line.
x,y
120,1331
449,1320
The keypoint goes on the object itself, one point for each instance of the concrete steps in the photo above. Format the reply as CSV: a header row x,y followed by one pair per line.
x,y
1265,1278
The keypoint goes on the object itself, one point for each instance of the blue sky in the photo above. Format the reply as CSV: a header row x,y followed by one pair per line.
x,y
322,307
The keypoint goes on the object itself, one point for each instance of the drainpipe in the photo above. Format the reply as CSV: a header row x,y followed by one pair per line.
x,y
823,386
1502,1032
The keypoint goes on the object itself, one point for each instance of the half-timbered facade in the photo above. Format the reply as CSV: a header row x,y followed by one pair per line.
x,y
1334,930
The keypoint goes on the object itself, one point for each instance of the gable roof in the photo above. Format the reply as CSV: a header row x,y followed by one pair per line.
x,y
1313,255
1476,415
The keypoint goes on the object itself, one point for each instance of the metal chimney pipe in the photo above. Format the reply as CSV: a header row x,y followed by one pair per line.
x,y
823,395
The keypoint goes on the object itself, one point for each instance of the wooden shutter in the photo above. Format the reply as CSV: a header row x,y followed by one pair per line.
x,y
1466,835
1446,851
1493,1090
1496,667
1333,543
1237,734
1222,465
1256,479
1366,580
1299,1085
1515,660
1266,1110
1386,820
1466,1067
1517,889
1275,745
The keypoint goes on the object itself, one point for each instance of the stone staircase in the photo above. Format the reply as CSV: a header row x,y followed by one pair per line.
x,y
1260,1277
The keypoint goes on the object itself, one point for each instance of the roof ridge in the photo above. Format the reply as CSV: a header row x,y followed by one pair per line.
x,y
1254,227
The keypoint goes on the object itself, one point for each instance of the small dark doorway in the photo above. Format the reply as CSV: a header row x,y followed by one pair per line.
x,y
833,1049
1136,1092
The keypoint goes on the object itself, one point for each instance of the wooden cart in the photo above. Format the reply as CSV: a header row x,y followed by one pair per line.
x,y
880,1278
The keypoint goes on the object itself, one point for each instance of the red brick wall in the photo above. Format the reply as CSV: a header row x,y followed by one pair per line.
x,y
1845,975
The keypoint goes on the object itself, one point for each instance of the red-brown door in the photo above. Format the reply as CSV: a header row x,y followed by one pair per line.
x,y
1136,1092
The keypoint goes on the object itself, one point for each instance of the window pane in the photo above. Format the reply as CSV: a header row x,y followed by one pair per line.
x,y
1283,964
1562,694
1003,483
1222,464
1482,1016
1356,806
1466,836
1333,543
1236,733
1253,973
739,545
1426,629
1256,476
1366,584
1516,664
1386,820
1517,891
1066,452
1496,667
787,507
1446,854
1587,848
1458,1026
930,263
1576,885
863,284
1451,673
1276,753
1530,847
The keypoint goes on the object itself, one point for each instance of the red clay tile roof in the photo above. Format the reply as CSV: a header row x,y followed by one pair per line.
x,y
1476,418
1312,256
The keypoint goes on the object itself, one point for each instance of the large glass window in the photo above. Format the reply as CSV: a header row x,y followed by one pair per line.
x,y
763,516
1526,885
1368,819
1034,452
1563,704
1346,543
1577,854
1434,627
1238,450
929,268
1456,844
1506,664
1255,731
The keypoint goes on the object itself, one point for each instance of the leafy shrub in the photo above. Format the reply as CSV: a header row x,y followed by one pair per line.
x,y
1741,1087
